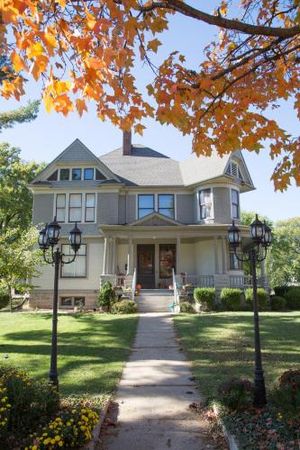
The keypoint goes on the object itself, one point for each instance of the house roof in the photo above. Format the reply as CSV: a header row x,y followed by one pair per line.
x,y
144,167
197,169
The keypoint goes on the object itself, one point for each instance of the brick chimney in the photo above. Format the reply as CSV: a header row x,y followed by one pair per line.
x,y
127,143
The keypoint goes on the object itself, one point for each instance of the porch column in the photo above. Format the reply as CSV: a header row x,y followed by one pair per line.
x,y
129,257
178,254
114,256
104,256
224,255
217,267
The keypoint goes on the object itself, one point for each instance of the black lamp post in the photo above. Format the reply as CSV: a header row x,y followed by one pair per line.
x,y
256,251
49,237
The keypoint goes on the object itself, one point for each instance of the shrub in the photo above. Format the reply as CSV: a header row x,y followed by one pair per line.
x,y
205,297
187,307
236,394
293,298
106,296
278,303
4,299
30,402
231,299
262,298
281,290
286,394
124,307
71,429
4,410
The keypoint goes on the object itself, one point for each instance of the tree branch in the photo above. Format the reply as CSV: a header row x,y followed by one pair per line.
x,y
222,22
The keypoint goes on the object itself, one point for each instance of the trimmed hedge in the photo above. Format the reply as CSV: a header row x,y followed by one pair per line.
x,y
205,297
231,299
187,307
293,298
124,307
280,291
277,303
4,299
262,297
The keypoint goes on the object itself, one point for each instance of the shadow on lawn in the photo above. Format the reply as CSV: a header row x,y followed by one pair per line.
x,y
104,342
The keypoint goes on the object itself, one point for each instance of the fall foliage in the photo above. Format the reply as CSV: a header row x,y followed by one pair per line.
x,y
85,51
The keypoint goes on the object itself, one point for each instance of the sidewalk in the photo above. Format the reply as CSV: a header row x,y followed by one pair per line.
x,y
155,393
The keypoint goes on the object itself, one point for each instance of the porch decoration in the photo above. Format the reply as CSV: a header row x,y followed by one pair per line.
x,y
254,251
49,236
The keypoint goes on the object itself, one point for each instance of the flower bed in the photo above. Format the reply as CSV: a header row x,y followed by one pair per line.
x,y
32,416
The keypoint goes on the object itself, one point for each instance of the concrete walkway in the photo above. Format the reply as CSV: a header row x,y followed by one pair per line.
x,y
155,393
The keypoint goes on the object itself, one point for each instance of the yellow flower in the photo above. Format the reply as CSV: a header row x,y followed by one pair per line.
x,y
60,443
57,438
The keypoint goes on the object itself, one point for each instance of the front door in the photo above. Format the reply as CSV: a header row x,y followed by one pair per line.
x,y
146,265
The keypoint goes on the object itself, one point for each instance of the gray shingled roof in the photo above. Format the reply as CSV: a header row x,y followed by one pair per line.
x,y
197,169
144,167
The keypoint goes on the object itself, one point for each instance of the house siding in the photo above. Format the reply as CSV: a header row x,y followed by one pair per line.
x,y
108,208
185,208
222,206
42,211
130,208
122,209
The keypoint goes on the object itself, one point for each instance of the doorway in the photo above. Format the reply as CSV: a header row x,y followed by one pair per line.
x,y
146,265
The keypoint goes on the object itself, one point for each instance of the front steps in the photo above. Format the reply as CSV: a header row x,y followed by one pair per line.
x,y
154,300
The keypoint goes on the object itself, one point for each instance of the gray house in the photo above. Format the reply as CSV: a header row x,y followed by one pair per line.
x,y
145,218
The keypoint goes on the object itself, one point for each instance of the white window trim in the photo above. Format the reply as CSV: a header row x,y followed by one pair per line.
x,y
231,206
212,216
86,265
83,194
155,194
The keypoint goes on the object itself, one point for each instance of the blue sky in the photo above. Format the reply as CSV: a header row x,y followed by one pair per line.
x,y
47,136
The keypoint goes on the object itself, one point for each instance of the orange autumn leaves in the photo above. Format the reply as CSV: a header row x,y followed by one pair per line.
x,y
82,51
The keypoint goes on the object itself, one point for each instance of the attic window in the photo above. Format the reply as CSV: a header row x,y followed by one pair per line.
x,y
234,170
99,175
53,176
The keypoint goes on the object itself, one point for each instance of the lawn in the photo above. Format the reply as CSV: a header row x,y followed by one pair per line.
x,y
92,348
220,345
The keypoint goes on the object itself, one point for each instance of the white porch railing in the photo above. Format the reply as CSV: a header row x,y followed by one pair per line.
x,y
195,280
245,281
176,293
126,282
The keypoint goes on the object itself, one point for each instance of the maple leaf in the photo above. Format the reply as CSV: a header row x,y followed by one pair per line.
x,y
153,45
81,106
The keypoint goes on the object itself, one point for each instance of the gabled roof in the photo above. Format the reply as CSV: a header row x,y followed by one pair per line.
x,y
155,219
144,167
197,169
76,152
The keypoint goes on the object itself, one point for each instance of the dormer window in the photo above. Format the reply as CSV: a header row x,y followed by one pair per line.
x,y
205,203
234,171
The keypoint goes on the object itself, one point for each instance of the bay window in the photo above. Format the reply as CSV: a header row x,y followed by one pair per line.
x,y
89,215
205,202
235,204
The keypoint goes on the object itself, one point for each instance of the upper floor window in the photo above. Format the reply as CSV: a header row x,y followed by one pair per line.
x,y
75,207
166,205
235,204
234,170
77,269
205,201
145,205
77,174
61,207
81,207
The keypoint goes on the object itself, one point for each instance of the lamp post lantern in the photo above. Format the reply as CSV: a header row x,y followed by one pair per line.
x,y
49,238
256,251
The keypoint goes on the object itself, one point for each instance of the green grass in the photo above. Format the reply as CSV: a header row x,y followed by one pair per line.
x,y
220,345
92,348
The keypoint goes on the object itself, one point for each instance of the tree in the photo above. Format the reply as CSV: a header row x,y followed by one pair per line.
x,y
24,114
86,50
283,263
19,259
15,197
